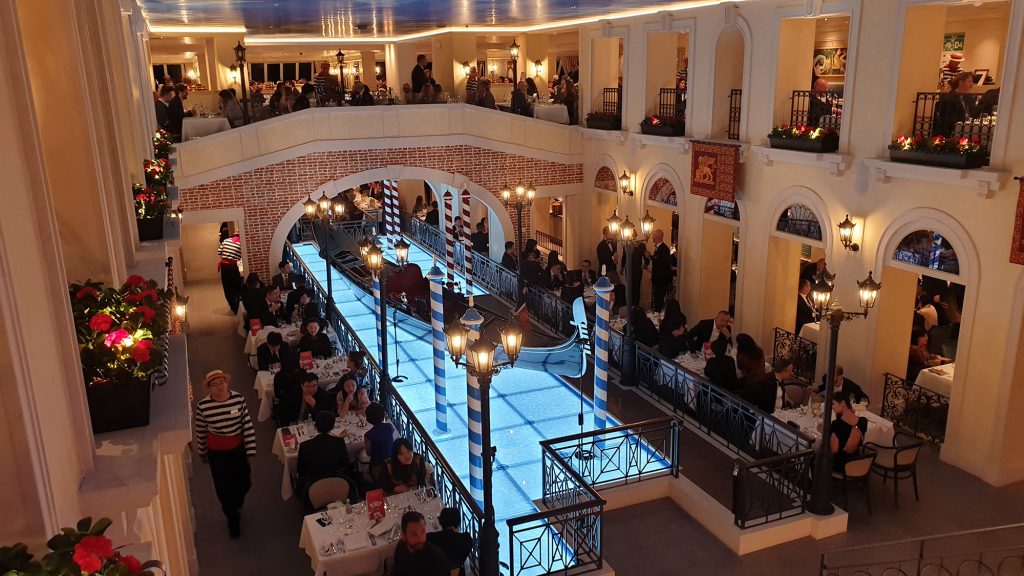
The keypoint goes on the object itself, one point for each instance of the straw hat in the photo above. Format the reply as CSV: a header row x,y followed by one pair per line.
x,y
216,375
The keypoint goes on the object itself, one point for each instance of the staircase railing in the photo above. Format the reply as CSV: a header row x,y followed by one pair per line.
x,y
803,352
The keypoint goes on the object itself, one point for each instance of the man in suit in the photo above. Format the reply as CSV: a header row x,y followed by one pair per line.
x,y
361,95
843,388
954,106
419,74
606,257
762,393
662,270
163,114
269,310
285,279
176,109
804,306
710,330
325,454
721,368
533,272
275,351
587,274
819,104
433,216
638,262
520,105
304,401
508,259
480,240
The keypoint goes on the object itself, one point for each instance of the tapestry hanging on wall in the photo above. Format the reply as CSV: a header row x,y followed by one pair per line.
x,y
714,170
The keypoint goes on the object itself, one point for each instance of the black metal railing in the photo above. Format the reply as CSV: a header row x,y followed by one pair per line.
x,y
771,489
427,235
993,551
452,491
915,409
549,310
924,113
803,352
735,112
611,101
723,208
672,102
550,243
812,108
807,228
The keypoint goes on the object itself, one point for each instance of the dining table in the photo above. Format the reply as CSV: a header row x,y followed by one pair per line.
x,y
810,331
808,417
938,379
551,112
329,372
288,439
343,541
197,127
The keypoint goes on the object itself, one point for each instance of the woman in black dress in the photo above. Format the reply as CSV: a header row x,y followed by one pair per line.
x,y
315,341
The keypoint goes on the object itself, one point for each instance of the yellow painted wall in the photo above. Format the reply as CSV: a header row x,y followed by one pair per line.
x,y
715,270
892,332
728,76
780,287
795,55
922,49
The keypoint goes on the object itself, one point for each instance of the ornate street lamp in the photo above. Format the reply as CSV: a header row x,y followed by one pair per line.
x,y
846,228
240,58
830,313
341,68
373,258
327,211
625,231
514,51
519,197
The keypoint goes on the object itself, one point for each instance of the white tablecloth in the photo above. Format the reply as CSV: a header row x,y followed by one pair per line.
x,y
199,127
328,371
289,332
880,430
938,379
354,427
551,112
809,331
361,554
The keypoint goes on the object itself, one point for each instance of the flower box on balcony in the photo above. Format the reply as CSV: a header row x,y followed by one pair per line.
x,y
150,228
804,139
603,122
663,125
118,405
940,159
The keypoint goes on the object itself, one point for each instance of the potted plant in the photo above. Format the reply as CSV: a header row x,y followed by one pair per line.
x,y
162,146
961,154
82,550
117,330
150,206
663,125
158,172
804,138
604,121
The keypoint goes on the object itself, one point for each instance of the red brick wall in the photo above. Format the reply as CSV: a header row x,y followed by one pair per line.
x,y
606,180
267,193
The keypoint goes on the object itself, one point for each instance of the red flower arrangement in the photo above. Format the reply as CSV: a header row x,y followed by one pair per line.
x,y
801,132
150,202
116,328
158,171
162,146
939,145
82,550
657,120
602,116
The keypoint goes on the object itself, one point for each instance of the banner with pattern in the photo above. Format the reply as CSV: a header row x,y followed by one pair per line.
x,y
714,170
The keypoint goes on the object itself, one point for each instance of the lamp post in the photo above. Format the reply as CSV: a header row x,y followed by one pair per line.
x,y
341,72
514,51
240,57
625,232
375,263
327,211
829,312
480,363
519,197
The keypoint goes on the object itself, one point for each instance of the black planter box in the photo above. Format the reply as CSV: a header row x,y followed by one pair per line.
x,y
821,145
150,228
605,123
942,160
118,405
663,129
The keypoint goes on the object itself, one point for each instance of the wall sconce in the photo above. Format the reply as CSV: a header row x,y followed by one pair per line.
x,y
465,68
539,66
624,183
846,230
233,73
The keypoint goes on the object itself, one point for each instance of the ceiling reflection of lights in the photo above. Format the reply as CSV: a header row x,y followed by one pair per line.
x,y
197,29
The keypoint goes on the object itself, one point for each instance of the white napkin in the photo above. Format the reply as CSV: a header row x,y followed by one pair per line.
x,y
357,541
385,526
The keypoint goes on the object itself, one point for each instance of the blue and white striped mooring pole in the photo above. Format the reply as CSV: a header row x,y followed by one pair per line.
x,y
436,277
377,316
604,288
472,321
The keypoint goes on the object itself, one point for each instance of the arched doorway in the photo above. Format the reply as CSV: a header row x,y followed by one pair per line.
x,y
797,250
730,77
661,203
719,259
500,222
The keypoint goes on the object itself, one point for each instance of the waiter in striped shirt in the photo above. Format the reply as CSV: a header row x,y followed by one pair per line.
x,y
225,438
230,253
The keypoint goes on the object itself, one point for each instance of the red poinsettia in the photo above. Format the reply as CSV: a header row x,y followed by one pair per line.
x,y
119,338
91,552
131,563
142,296
101,322
140,352
146,313
86,292
135,279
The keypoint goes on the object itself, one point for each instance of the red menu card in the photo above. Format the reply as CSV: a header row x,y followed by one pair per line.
x,y
375,504
306,360
254,326
707,351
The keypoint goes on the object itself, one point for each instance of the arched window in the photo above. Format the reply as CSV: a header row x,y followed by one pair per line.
x,y
927,249
723,208
800,220
606,180
662,191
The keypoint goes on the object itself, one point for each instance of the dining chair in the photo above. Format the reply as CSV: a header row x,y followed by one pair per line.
x,y
327,490
898,461
794,394
857,471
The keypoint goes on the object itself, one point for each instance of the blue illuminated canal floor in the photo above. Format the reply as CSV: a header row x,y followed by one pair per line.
x,y
526,406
